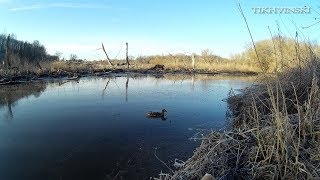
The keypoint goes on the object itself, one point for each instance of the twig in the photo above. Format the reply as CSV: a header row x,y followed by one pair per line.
x,y
155,154
116,175
254,45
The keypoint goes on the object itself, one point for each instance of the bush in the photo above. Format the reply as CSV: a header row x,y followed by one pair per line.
x,y
278,53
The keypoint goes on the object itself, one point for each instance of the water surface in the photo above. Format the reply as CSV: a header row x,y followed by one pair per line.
x,y
97,128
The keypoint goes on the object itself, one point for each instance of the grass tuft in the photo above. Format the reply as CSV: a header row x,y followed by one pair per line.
x,y
275,131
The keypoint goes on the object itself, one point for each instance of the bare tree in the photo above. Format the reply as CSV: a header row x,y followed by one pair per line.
x,y
58,54
105,52
73,57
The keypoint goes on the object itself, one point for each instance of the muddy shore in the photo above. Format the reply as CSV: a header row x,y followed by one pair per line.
x,y
28,77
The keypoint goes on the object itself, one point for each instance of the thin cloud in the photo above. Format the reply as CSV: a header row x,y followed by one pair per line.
x,y
59,5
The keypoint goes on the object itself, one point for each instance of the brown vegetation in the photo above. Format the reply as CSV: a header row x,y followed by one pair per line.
x,y
275,55
204,62
275,131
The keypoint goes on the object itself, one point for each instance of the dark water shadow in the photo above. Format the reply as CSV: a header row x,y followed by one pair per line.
x,y
11,94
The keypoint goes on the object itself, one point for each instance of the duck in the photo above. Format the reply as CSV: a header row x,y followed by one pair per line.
x,y
156,114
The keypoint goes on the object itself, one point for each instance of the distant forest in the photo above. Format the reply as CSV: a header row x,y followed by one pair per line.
x,y
14,53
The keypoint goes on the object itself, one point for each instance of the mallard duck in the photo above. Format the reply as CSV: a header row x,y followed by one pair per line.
x,y
156,114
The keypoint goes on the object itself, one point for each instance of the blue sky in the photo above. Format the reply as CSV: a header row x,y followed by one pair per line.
x,y
150,27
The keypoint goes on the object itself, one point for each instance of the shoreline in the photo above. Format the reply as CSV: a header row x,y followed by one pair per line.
x,y
69,75
274,133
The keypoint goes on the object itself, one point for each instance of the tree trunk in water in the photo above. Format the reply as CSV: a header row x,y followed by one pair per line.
x,y
193,61
127,57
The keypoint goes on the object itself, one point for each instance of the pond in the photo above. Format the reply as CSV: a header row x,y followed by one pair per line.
x,y
96,127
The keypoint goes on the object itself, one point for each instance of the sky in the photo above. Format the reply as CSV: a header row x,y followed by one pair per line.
x,y
152,27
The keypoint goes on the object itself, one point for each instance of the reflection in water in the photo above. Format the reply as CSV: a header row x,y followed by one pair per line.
x,y
105,88
162,118
10,94
192,80
127,83
98,129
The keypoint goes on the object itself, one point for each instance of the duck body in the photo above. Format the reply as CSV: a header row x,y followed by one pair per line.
x,y
156,114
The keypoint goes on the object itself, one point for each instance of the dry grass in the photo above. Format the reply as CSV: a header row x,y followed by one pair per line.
x,y
172,63
275,134
209,63
275,131
208,77
72,66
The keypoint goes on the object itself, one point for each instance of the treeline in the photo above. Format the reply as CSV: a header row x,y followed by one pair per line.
x,y
182,60
279,53
16,53
204,61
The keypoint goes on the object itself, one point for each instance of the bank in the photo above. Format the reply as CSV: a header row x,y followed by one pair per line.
x,y
274,133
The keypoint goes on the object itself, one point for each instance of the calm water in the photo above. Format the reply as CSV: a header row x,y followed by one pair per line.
x,y
97,128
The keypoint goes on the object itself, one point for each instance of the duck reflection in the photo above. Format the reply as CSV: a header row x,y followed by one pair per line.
x,y
162,118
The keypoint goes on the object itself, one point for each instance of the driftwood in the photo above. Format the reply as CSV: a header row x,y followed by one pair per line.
x,y
15,80
12,82
74,78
